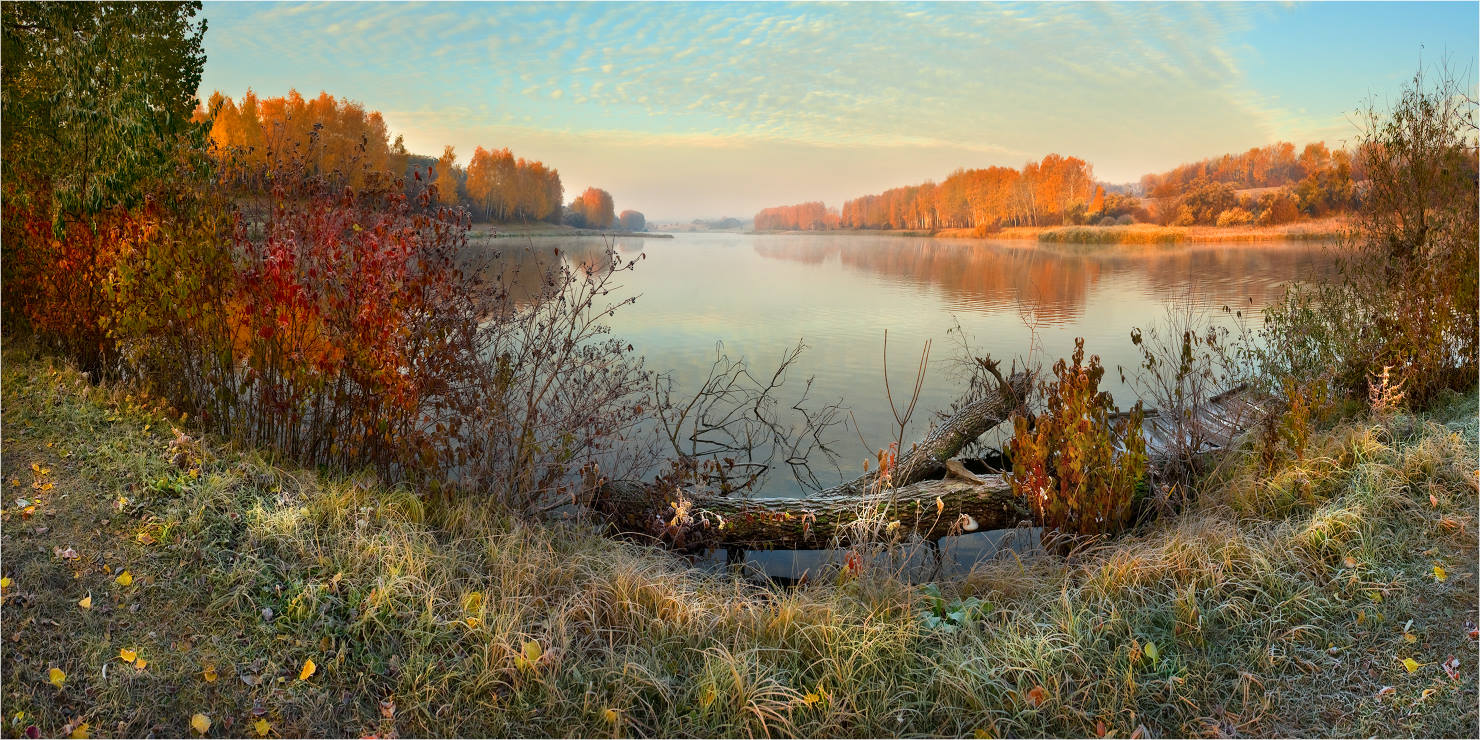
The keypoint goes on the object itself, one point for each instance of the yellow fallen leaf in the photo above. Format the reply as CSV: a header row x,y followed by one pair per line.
x,y
611,715
125,579
80,732
1426,694
86,602
981,734
472,622
141,664
1410,637
261,727
1411,664
200,723
209,674
57,677
1439,574
940,506
1376,596
811,699
128,656
5,582
473,603
532,651
1151,651
308,670
706,697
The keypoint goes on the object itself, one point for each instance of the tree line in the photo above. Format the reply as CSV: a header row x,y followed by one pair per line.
x,y
256,134
1316,182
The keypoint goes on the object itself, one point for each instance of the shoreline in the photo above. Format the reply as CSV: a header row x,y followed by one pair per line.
x,y
1323,230
552,231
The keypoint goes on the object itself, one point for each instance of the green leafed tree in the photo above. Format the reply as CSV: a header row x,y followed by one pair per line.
x,y
96,98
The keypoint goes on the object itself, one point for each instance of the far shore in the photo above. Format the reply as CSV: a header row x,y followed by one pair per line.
x,y
1329,229
549,231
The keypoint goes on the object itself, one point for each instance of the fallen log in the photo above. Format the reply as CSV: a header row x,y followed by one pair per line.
x,y
930,508
922,492
931,494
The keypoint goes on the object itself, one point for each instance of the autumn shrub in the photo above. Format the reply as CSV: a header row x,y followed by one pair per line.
x,y
1406,297
1235,216
1078,464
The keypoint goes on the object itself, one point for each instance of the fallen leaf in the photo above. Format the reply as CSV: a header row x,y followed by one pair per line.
x,y
1386,691
79,732
388,708
200,723
1411,664
308,670
811,698
1410,637
1349,561
472,622
1439,574
611,715
141,664
67,554
1433,501
1100,729
128,656
1139,732
981,734
144,538
209,674
532,651
86,602
125,579
1151,651
57,677
1451,667
1037,695
261,727
5,583
1426,694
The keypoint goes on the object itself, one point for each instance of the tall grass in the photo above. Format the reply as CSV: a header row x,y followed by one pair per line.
x,y
1253,611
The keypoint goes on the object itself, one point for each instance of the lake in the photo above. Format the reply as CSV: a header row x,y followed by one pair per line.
x,y
759,294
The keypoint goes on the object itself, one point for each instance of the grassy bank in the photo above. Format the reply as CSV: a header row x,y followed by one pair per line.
x,y
1281,604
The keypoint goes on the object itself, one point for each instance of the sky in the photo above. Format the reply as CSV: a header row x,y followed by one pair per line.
x,y
701,110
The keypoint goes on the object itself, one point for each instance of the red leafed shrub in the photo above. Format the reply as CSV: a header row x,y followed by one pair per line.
x,y
54,275
1079,463
333,326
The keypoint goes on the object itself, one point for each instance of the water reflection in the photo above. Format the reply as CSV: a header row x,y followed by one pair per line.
x,y
1054,281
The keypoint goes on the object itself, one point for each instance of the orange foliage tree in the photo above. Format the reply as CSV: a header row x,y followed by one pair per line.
x,y
593,209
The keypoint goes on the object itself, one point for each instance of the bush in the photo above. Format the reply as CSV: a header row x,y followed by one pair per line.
x,y
1277,208
1406,302
1235,217
1107,221
1125,220
1079,463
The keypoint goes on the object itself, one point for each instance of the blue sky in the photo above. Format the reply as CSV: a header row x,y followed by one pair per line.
x,y
684,110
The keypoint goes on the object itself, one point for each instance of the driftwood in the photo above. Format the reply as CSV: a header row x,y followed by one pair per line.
x,y
932,494
925,492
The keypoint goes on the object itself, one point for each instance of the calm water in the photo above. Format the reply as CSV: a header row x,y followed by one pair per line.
x,y
759,294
